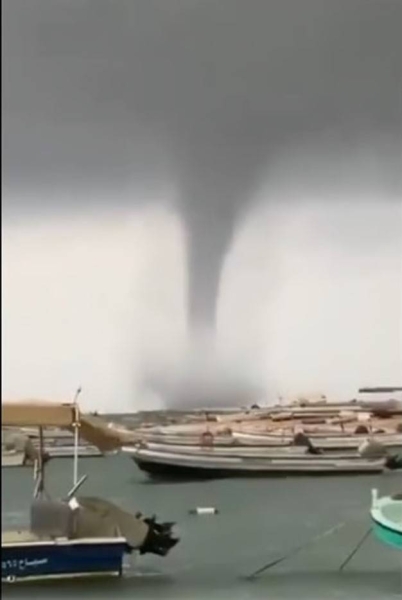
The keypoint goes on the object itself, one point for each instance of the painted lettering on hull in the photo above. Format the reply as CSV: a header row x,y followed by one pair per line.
x,y
23,563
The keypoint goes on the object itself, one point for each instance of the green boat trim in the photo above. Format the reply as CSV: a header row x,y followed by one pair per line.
x,y
386,513
387,536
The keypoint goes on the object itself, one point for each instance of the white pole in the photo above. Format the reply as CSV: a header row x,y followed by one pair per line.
x,y
76,436
75,478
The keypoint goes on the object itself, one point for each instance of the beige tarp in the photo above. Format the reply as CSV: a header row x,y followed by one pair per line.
x,y
98,517
33,413
96,432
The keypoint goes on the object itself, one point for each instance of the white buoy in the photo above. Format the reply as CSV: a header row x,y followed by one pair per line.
x,y
204,510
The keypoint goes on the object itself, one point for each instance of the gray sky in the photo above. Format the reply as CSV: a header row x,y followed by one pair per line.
x,y
99,93
114,106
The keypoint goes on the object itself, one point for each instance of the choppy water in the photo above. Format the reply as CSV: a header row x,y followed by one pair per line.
x,y
258,521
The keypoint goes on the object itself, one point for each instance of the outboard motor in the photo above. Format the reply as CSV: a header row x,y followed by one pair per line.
x,y
160,539
301,439
394,462
95,516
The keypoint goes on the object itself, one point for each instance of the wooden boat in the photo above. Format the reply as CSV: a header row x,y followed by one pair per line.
x,y
246,452
243,440
189,465
386,515
20,446
335,442
12,458
75,536
68,451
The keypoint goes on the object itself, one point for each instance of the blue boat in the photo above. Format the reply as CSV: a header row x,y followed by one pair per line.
x,y
26,557
386,515
74,536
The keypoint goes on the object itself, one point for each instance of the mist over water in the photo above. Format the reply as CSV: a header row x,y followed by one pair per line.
x,y
202,201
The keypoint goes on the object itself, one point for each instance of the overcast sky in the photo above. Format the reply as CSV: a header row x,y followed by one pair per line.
x,y
170,164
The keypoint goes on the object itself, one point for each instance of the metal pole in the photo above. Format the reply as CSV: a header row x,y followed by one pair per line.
x,y
76,487
76,436
76,439
41,472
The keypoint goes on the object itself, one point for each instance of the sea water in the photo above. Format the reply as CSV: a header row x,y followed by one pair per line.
x,y
258,521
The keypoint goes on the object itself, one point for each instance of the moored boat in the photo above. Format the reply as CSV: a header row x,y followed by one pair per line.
x,y
268,452
326,442
26,556
169,464
12,458
74,536
386,515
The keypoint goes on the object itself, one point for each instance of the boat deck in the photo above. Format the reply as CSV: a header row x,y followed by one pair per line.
x,y
24,536
18,537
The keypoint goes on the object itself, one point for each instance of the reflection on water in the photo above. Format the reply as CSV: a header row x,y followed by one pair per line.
x,y
259,520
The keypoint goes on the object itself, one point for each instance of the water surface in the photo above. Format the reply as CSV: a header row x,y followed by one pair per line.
x,y
258,521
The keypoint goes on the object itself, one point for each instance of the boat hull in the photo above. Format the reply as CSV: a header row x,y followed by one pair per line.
x,y
387,536
386,515
180,467
240,440
62,559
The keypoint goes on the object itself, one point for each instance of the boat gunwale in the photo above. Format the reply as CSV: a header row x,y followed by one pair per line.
x,y
271,467
266,453
60,576
65,542
379,518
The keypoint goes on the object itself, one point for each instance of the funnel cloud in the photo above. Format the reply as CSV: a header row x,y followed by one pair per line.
x,y
219,109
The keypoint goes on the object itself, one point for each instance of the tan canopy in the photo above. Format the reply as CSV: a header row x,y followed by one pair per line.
x,y
38,413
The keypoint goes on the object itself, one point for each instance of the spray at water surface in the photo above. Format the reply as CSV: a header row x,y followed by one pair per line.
x,y
105,99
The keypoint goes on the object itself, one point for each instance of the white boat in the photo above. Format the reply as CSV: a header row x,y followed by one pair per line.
x,y
386,515
246,452
240,439
12,458
68,451
167,464
352,441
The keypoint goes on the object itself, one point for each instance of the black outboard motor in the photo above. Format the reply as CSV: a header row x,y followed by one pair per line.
x,y
301,439
393,462
160,539
96,516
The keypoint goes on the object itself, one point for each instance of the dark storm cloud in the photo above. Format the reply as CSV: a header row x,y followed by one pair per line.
x,y
109,93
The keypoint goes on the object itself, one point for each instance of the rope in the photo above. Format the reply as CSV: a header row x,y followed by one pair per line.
x,y
296,550
359,545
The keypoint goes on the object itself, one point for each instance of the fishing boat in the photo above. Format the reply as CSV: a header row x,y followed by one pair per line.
x,y
74,536
392,441
386,515
269,452
12,458
57,443
167,464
